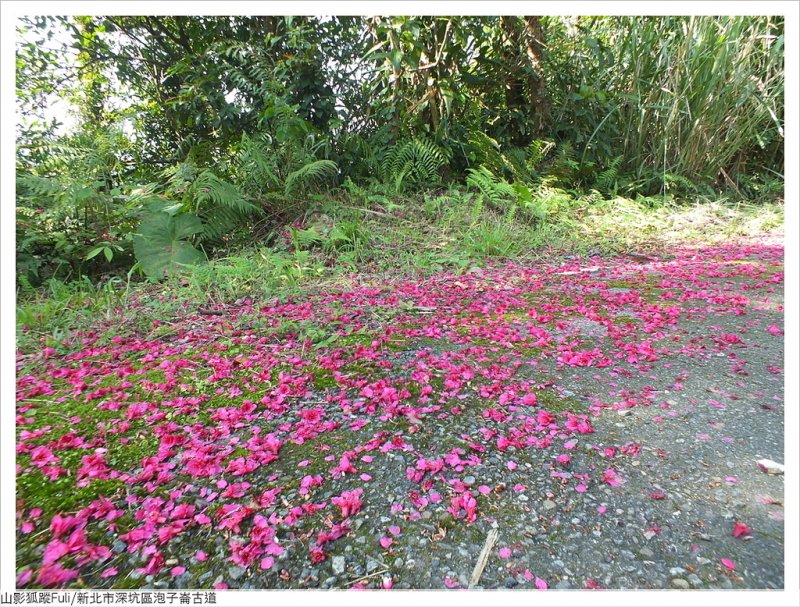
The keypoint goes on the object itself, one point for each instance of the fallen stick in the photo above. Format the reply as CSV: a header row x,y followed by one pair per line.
x,y
207,312
483,558
365,577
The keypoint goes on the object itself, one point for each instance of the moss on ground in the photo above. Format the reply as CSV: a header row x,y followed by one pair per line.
x,y
555,403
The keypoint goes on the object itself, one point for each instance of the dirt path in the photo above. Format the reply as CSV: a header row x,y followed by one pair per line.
x,y
604,416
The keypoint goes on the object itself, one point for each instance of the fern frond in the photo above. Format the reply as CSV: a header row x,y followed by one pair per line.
x,y
307,238
483,150
210,189
40,186
607,180
218,222
498,192
255,170
415,162
316,172
536,152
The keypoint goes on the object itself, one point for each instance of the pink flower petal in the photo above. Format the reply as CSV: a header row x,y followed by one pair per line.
x,y
394,530
385,542
540,583
504,553
24,577
267,563
728,563
200,555
176,571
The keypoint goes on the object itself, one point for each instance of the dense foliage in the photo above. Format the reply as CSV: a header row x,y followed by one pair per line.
x,y
196,135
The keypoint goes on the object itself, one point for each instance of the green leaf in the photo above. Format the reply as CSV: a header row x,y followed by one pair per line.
x,y
160,246
396,57
93,253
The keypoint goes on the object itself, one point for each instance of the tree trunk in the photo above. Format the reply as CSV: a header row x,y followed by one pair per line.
x,y
534,45
525,84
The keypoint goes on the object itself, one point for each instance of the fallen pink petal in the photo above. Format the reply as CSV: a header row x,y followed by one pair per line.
x,y
403,303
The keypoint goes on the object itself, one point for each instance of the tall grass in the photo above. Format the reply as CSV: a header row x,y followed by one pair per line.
x,y
698,98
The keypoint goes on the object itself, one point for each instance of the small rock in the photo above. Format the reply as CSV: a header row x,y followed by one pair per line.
x,y
235,572
469,480
118,546
677,571
680,583
338,564
695,581
549,504
398,563
563,585
646,553
770,467
510,582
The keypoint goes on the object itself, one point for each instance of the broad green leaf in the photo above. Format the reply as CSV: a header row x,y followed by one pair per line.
x,y
160,246
93,253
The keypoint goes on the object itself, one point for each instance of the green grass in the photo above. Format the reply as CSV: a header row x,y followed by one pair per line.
x,y
389,237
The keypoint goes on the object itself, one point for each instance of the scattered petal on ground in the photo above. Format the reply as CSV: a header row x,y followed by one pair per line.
x,y
240,450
